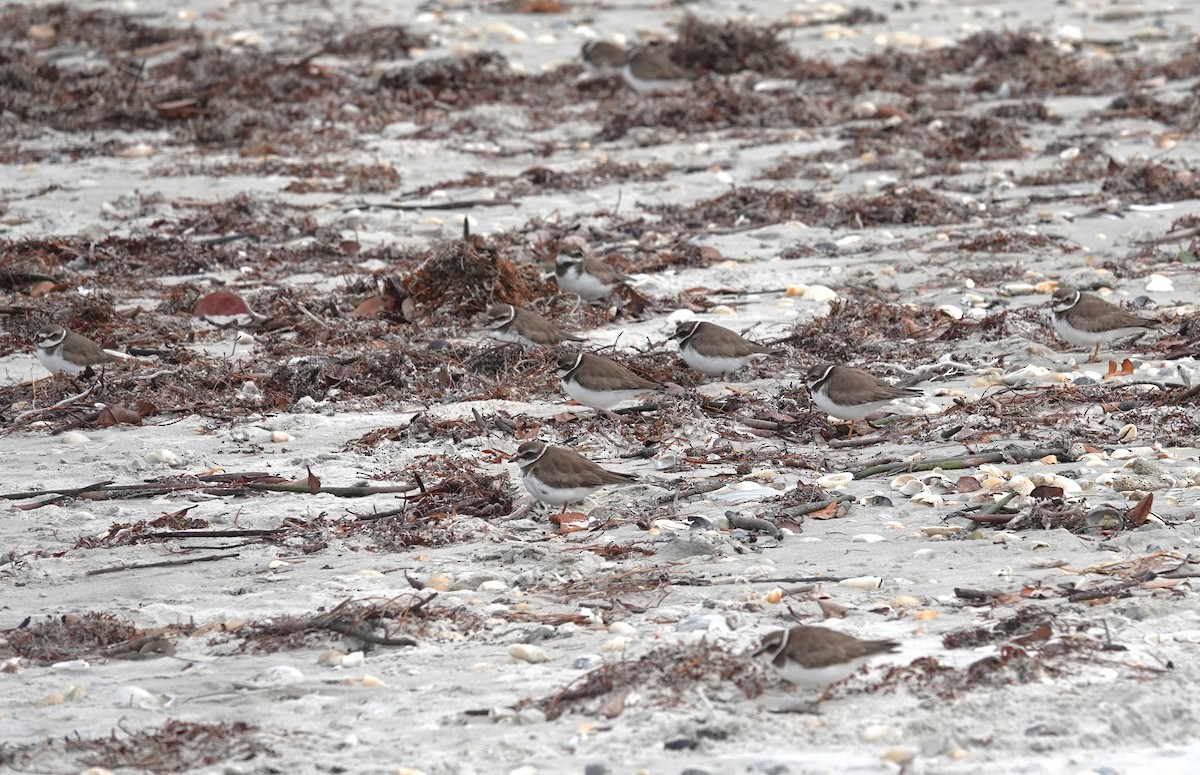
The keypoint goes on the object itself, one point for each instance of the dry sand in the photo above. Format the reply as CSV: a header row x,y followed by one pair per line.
x,y
1120,703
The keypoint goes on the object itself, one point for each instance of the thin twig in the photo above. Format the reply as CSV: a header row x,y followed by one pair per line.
x,y
164,564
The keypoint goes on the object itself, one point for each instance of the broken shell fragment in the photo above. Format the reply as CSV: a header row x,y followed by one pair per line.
x,y
834,481
524,652
862,582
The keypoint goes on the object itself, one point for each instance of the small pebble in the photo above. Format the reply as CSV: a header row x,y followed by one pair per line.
x,y
597,768
164,457
523,652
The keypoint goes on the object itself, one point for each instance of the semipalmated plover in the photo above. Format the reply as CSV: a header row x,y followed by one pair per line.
x,y
1085,320
714,350
585,275
851,394
558,476
509,323
818,656
600,383
600,56
649,69
63,351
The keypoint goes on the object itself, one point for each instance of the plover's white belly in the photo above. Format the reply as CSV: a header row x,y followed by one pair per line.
x,y
586,286
56,364
599,399
819,677
1084,338
854,412
650,85
510,336
557,496
712,366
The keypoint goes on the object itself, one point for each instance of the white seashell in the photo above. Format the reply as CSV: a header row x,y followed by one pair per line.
x,y
834,481
280,437
774,84
929,499
912,487
899,481
524,652
952,311
994,470
622,628
72,438
619,643
353,659
862,582
1024,376
492,585
1021,485
369,573
877,732
865,109
724,310
137,697
277,564
1127,433
331,658
1070,153
1017,289
1069,486
1160,284
820,293
164,457
868,538
743,491
138,150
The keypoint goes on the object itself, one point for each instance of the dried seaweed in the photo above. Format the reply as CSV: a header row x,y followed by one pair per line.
x,y
732,46
663,677
91,636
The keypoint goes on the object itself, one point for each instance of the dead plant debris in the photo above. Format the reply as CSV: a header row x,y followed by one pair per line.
x,y
663,677
92,636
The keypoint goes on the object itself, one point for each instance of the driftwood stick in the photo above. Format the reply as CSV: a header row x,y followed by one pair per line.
x,y
696,489
1015,454
214,533
64,496
152,488
809,508
164,564
741,521
343,492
